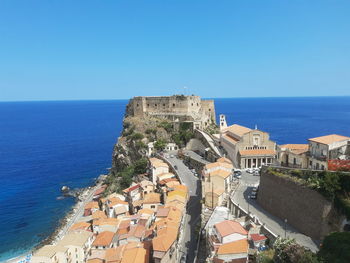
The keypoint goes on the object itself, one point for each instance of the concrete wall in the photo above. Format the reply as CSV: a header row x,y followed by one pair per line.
x,y
304,208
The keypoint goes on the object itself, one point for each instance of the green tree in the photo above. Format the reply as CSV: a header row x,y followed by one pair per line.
x,y
140,166
159,145
336,248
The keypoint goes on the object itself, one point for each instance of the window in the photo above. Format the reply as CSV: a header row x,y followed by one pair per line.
x,y
155,105
209,109
173,104
295,161
191,104
153,206
137,104
163,104
147,104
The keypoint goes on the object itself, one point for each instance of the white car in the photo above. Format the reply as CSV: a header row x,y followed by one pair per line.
x,y
250,170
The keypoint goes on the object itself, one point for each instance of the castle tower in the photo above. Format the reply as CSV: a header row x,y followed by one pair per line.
x,y
223,123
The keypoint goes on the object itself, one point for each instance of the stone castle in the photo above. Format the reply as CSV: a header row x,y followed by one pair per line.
x,y
176,108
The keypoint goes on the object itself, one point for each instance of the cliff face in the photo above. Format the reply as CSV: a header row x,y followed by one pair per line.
x,y
161,120
132,144
304,208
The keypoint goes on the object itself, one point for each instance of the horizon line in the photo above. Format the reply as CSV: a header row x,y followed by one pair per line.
x,y
261,97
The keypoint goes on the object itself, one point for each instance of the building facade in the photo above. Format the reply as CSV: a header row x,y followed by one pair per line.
x,y
248,148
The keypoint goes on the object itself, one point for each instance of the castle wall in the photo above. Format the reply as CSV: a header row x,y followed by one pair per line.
x,y
185,108
304,208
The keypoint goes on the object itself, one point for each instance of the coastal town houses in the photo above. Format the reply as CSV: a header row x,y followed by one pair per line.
x,y
112,231
293,155
247,148
157,167
228,242
78,244
51,254
325,148
317,154
216,181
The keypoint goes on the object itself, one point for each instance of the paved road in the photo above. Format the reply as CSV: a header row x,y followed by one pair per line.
x,y
78,213
188,243
275,224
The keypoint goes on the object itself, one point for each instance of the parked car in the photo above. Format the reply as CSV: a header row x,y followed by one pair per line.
x,y
256,173
172,156
175,167
253,195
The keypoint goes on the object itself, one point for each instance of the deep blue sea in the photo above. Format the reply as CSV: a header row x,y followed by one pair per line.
x,y
44,145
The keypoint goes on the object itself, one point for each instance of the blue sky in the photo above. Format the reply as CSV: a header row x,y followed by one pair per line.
x,y
55,50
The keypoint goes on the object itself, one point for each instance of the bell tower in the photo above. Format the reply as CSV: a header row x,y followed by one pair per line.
x,y
223,123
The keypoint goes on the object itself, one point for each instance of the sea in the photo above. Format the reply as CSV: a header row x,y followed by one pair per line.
x,y
45,145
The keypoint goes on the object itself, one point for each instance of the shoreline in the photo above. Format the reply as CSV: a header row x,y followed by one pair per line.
x,y
64,224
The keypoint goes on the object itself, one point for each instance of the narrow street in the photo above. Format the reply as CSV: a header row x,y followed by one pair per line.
x,y
275,224
188,243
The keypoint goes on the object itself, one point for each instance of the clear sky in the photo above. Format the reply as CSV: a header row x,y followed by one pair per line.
x,y
55,50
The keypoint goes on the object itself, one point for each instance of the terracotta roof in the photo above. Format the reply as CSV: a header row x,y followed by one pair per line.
x,y
145,211
175,203
145,183
95,260
49,251
218,164
124,224
164,181
257,237
165,240
80,225
218,191
238,129
235,247
181,187
116,201
329,139
177,192
103,239
99,191
120,210
109,221
131,188
171,184
91,205
221,173
175,214
98,214
176,198
152,198
78,239
228,227
157,163
257,152
224,160
296,148
230,138
135,255
162,211
137,231
114,254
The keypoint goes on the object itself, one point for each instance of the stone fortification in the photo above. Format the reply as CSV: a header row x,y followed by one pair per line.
x,y
304,208
176,108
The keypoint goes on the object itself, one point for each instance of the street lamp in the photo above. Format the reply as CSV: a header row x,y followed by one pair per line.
x,y
285,227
